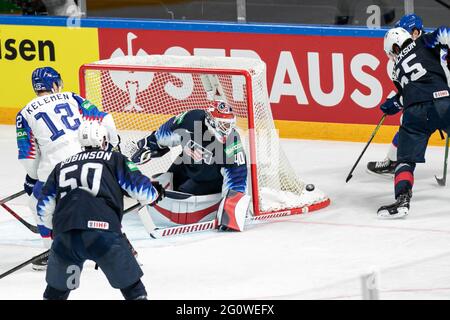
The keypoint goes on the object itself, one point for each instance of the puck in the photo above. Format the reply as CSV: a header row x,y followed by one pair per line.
x,y
310,187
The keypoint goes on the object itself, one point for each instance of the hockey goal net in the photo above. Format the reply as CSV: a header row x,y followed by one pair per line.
x,y
143,92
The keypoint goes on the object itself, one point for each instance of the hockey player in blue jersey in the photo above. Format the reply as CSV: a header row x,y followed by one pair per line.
x,y
81,206
212,159
425,95
414,25
47,132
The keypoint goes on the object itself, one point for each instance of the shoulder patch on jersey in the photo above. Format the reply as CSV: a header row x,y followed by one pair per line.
x,y
233,148
132,166
179,119
87,105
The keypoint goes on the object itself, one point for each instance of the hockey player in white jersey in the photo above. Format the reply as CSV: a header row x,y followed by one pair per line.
x,y
47,133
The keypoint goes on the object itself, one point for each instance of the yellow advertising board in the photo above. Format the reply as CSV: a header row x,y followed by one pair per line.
x,y
24,48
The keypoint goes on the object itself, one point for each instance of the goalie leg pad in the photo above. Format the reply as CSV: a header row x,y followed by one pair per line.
x,y
233,211
180,210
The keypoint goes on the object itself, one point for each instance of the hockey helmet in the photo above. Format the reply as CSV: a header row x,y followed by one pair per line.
x,y
395,36
220,119
409,22
92,134
44,78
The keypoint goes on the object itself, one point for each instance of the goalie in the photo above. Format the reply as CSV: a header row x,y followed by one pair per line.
x,y
212,162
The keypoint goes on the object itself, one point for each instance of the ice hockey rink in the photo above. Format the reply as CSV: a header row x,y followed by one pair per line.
x,y
320,255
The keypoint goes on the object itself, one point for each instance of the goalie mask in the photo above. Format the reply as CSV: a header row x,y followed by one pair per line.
x,y
92,134
220,120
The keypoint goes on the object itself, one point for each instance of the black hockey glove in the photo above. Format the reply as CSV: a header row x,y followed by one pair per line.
x,y
148,148
391,106
29,184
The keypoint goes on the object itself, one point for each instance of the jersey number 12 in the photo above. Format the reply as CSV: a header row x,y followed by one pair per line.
x,y
66,111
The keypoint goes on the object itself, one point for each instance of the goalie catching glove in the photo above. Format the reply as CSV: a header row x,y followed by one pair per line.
x,y
147,148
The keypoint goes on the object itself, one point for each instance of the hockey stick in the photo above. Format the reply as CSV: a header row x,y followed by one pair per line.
x,y
365,148
159,233
47,253
173,194
30,227
13,196
20,266
441,134
442,181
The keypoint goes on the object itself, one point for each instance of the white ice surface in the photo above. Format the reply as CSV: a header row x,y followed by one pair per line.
x,y
316,256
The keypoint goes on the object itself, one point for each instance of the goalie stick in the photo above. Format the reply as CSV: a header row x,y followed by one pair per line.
x,y
159,233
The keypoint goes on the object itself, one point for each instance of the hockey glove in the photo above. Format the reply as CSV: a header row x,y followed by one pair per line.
x,y
147,148
161,191
391,106
29,184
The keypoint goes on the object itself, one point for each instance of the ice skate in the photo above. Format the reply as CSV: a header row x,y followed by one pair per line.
x,y
40,265
384,168
397,210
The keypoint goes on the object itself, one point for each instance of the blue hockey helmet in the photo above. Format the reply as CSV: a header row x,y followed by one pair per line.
x,y
44,78
409,22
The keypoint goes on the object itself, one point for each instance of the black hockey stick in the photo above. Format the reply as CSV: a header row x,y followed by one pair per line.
x,y
20,266
365,148
443,4
13,196
443,180
30,227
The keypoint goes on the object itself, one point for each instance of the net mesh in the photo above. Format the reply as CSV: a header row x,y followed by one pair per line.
x,y
141,101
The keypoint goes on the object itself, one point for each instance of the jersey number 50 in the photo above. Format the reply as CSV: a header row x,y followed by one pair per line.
x,y
92,186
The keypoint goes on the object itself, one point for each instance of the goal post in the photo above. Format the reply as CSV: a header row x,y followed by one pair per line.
x,y
142,92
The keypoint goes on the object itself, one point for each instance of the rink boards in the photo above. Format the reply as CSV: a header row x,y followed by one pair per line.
x,y
324,82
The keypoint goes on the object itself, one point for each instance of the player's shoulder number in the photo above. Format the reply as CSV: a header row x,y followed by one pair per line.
x,y
414,70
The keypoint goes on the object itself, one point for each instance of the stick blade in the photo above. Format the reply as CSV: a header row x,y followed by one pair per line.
x,y
348,178
440,182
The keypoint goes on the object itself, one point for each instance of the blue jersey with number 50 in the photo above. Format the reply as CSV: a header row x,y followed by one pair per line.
x,y
47,131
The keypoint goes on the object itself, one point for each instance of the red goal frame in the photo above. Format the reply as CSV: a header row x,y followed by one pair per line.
x,y
251,123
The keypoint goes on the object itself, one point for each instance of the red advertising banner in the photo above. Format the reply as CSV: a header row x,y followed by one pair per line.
x,y
333,79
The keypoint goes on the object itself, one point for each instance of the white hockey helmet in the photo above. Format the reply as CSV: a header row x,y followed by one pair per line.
x,y
394,36
92,134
